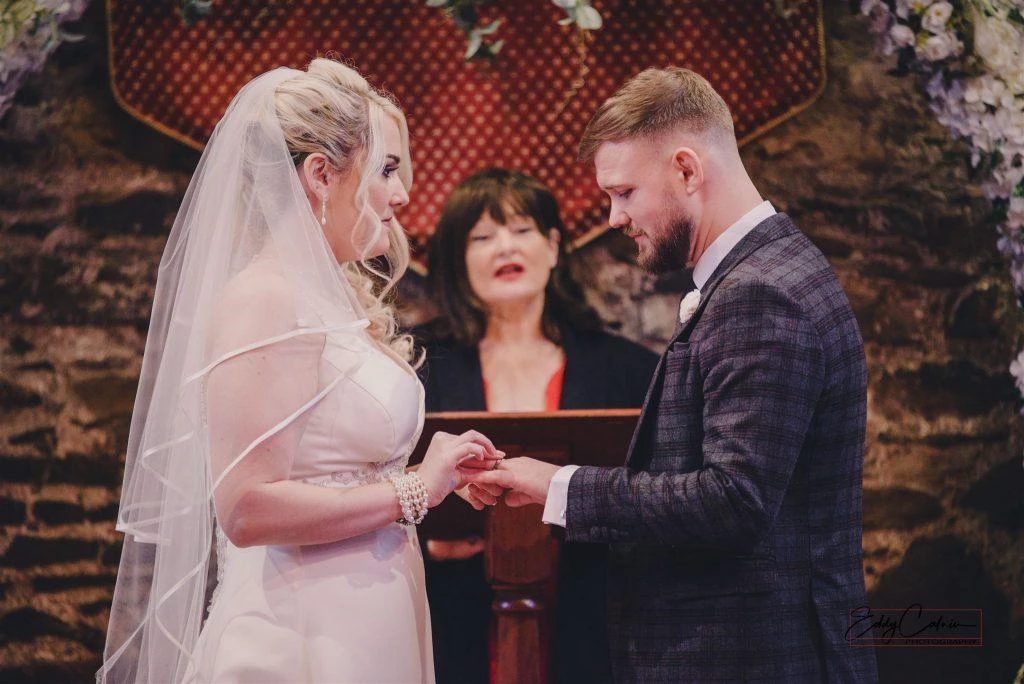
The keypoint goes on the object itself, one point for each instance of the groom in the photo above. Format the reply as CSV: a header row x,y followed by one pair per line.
x,y
734,527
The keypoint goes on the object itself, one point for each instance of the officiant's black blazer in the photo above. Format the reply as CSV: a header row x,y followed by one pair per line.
x,y
601,371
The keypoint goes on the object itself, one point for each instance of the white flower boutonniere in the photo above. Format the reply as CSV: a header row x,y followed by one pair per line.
x,y
688,306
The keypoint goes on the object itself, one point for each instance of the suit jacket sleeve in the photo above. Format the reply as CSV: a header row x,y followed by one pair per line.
x,y
762,372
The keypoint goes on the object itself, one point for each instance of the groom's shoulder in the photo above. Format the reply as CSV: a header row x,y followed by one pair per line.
x,y
790,268
795,274
788,259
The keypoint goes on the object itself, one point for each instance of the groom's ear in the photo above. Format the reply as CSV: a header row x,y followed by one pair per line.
x,y
688,169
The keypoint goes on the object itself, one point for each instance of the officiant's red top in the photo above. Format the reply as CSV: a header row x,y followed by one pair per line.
x,y
519,112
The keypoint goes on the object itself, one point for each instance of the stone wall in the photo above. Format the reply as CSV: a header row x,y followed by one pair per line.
x,y
87,196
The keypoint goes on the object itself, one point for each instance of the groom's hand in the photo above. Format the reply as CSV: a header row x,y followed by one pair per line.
x,y
527,479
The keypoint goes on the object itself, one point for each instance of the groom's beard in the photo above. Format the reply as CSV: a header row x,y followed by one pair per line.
x,y
669,246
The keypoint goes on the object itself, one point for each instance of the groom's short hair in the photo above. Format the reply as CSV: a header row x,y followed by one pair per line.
x,y
655,101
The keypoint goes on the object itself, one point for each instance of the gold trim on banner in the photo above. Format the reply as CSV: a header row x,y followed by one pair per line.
x,y
136,114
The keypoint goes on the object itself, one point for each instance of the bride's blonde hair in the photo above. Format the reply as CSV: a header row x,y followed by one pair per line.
x,y
333,110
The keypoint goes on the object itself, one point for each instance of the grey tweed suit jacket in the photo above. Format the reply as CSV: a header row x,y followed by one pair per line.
x,y
734,528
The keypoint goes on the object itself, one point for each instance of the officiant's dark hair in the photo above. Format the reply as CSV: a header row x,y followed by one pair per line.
x,y
503,194
654,101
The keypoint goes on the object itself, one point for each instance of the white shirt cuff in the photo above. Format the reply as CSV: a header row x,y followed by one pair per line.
x,y
558,496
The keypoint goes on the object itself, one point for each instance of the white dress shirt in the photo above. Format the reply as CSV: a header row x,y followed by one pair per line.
x,y
558,490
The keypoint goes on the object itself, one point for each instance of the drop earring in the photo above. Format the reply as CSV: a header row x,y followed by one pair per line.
x,y
323,210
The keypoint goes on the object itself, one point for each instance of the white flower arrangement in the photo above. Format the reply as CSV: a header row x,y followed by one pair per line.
x,y
972,53
1017,368
29,32
688,306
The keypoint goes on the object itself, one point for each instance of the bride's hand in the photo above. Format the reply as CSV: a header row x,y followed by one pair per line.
x,y
479,495
448,456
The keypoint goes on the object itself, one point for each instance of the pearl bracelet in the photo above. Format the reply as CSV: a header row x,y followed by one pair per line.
x,y
412,497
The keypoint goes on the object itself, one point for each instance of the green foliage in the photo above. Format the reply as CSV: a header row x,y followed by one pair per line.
x,y
480,40
18,15
194,10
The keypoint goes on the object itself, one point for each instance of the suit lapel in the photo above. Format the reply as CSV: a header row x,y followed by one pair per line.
x,y
772,228
650,403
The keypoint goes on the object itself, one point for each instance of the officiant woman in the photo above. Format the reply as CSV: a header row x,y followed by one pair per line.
x,y
515,334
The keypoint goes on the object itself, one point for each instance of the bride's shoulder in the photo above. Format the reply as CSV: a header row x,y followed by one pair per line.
x,y
262,283
258,301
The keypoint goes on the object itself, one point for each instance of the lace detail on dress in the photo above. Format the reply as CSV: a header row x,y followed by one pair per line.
x,y
372,473
222,559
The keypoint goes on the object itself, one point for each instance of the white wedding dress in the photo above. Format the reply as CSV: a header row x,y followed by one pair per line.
x,y
259,365
352,611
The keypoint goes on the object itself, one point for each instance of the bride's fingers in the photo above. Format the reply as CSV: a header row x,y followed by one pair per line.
x,y
467,496
482,439
479,438
493,490
481,494
473,455
477,498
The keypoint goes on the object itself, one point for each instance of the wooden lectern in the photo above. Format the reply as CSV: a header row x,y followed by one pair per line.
x,y
521,553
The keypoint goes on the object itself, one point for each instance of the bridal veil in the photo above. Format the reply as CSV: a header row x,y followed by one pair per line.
x,y
246,277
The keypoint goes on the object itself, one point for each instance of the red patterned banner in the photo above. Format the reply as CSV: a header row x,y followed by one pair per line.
x,y
516,112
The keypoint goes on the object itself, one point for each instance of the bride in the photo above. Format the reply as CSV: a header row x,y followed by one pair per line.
x,y
276,412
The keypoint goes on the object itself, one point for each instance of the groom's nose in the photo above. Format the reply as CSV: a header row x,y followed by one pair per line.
x,y
617,218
